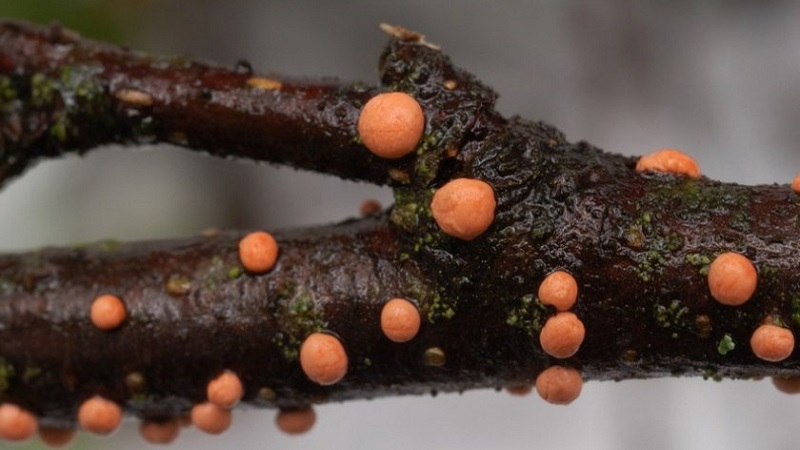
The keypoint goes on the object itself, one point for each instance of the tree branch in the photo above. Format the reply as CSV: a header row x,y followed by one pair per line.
x,y
638,243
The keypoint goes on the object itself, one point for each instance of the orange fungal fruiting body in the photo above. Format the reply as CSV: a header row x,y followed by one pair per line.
x,y
323,358
210,418
107,312
296,421
226,390
391,124
400,320
669,160
559,289
56,437
732,279
562,335
258,252
160,432
559,385
99,416
772,343
16,424
796,184
464,207
789,385
520,390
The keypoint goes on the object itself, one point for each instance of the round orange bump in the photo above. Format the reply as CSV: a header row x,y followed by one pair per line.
x,y
160,432
559,289
391,124
789,385
464,207
562,335
520,390
796,184
323,358
732,279
99,416
400,320
669,160
559,385
258,252
108,312
772,343
16,424
210,418
56,437
296,421
226,390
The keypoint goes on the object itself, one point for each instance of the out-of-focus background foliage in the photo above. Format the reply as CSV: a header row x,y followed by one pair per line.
x,y
719,79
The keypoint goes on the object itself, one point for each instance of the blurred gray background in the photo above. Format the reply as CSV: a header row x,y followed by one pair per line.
x,y
718,79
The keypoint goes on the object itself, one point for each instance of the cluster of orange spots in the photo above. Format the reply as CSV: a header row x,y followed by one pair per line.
x,y
296,421
464,207
732,279
225,390
16,424
772,343
210,418
99,416
669,160
400,320
562,335
160,431
267,84
107,312
258,252
559,385
391,124
559,289
56,437
323,358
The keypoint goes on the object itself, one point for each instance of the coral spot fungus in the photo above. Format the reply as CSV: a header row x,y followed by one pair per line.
x,y
296,421
519,390
790,385
562,335
258,252
772,343
400,320
669,160
464,207
107,312
391,124
323,358
559,289
225,390
159,432
99,416
56,437
16,424
732,279
559,385
210,418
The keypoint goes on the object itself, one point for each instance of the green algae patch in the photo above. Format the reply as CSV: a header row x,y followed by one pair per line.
x,y
528,314
673,317
726,344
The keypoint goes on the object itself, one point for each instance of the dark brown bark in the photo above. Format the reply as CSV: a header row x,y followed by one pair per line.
x,y
638,244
